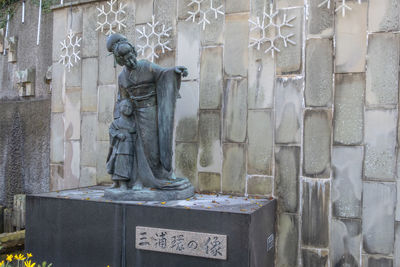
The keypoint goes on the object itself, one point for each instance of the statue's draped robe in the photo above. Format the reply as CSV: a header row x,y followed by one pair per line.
x,y
154,91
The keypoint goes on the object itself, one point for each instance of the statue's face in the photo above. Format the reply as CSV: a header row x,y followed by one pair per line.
x,y
125,56
126,108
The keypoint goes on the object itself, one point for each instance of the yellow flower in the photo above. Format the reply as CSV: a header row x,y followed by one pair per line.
x,y
9,258
1,263
29,255
29,264
20,257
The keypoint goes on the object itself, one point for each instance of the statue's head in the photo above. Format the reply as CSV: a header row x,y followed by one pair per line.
x,y
124,53
125,107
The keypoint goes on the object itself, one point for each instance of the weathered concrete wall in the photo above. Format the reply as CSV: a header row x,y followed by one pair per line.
x,y
316,126
25,121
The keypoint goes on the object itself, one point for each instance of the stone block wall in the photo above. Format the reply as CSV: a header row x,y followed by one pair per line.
x,y
315,126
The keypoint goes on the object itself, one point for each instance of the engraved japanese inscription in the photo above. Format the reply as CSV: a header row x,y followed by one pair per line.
x,y
205,245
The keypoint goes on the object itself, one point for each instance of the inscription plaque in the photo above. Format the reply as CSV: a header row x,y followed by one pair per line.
x,y
197,244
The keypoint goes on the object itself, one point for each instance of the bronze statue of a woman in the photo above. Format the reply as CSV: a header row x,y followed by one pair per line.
x,y
153,91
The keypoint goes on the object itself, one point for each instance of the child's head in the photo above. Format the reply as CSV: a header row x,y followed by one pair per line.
x,y
125,107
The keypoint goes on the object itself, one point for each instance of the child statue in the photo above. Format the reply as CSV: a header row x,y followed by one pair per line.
x,y
121,163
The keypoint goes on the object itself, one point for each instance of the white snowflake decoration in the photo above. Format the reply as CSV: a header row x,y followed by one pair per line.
x,y
70,50
202,12
265,26
153,39
342,6
114,17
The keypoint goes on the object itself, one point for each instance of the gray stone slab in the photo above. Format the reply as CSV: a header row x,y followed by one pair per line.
x,y
315,213
144,11
88,140
288,110
376,261
74,19
188,48
383,15
186,161
107,73
56,176
87,176
383,69
345,242
90,37
380,141
289,3
213,34
236,47
211,79
57,138
57,88
347,165
351,39
234,168
72,115
398,199
396,253
379,200
288,240
102,149
237,6
89,84
210,147
105,106
260,140
257,8
72,168
312,258
287,170
209,182
348,119
186,113
260,185
261,80
165,12
130,30
288,61
235,110
320,21
319,71
317,143
59,23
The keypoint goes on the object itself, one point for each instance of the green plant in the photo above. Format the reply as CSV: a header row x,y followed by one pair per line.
x,y
7,7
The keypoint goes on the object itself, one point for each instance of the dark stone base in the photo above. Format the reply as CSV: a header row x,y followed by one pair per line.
x,y
82,228
148,194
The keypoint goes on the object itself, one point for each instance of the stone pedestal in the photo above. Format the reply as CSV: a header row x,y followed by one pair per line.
x,y
81,228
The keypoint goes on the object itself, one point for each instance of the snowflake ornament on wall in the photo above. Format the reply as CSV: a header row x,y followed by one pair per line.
x,y
70,50
270,31
113,17
341,7
153,39
202,11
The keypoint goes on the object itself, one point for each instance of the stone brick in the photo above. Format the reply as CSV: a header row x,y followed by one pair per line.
x,y
315,211
71,165
397,242
380,141
288,240
89,84
234,168
317,143
211,78
315,258
186,161
57,138
56,176
261,80
107,73
320,20
213,34
289,3
379,200
260,149
383,69
319,71
236,47
184,8
235,110
88,139
236,6
347,163
210,148
288,110
106,101
90,37
351,39
130,30
59,23
349,109
257,7
88,176
188,48
74,19
57,88
383,15
345,242
72,114
376,261
209,182
102,148
287,169
260,185
144,11
288,61
398,201
165,12
186,117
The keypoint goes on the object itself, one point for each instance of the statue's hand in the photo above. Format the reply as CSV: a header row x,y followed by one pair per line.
x,y
181,70
121,136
